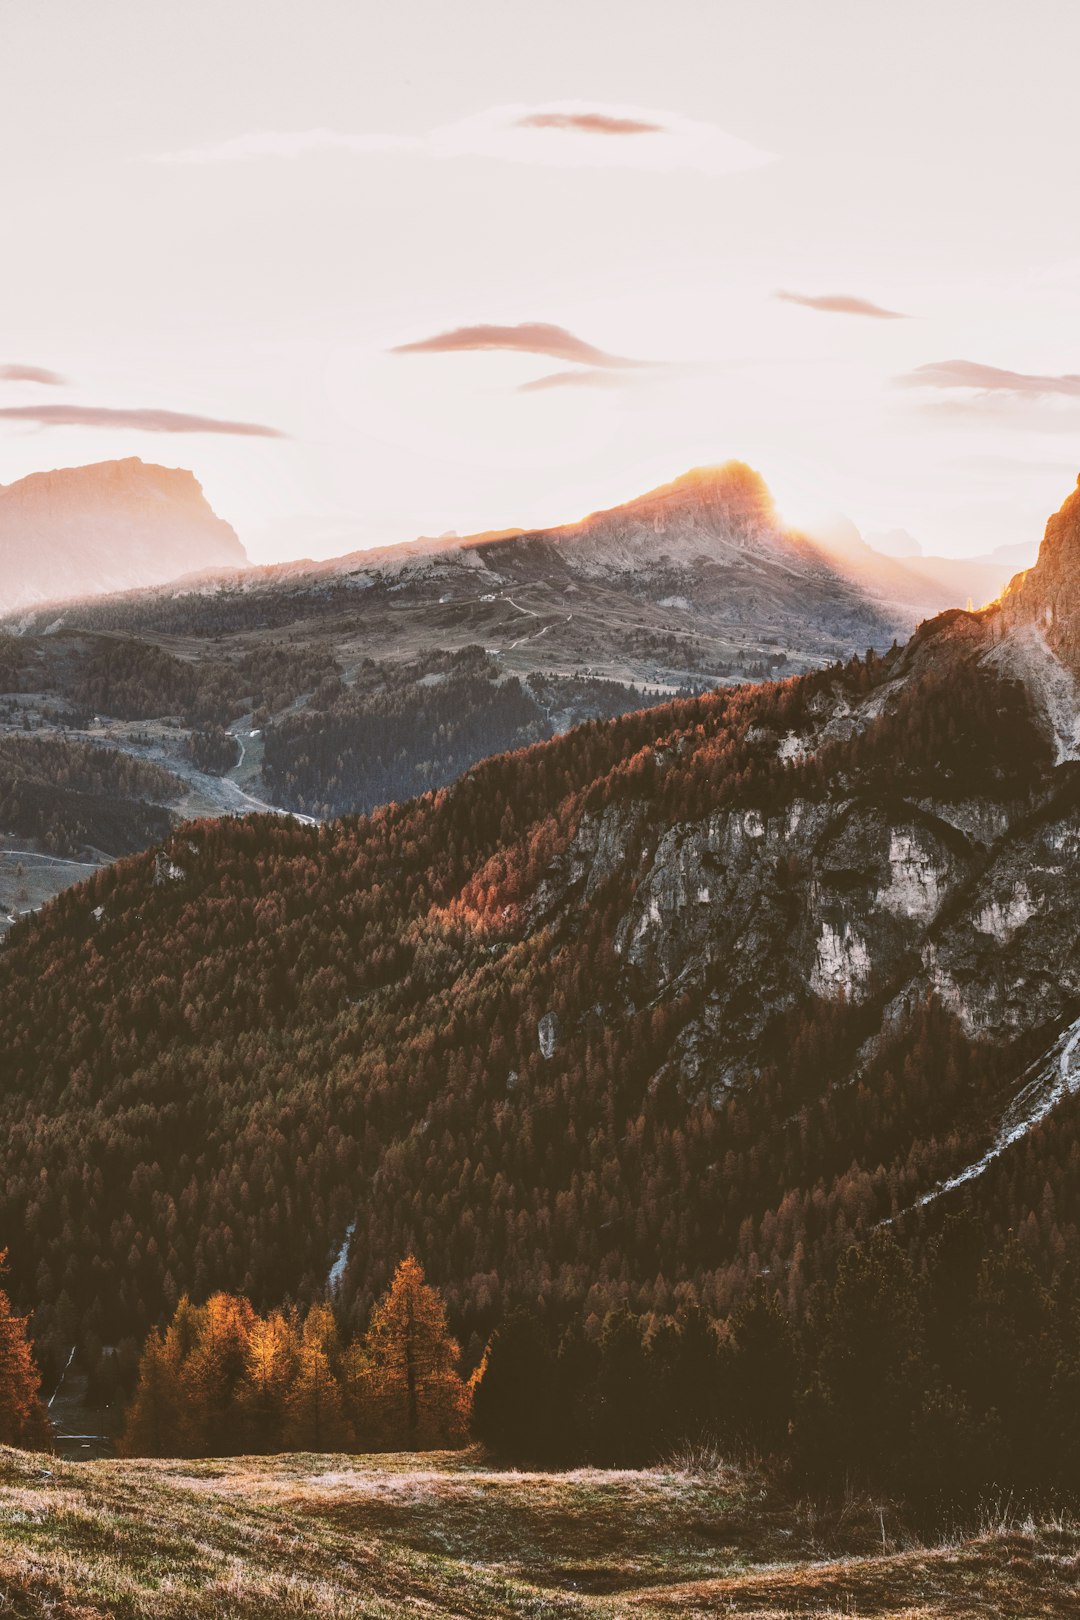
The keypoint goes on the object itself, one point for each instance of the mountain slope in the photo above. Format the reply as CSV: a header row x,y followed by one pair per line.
x,y
80,531
633,1012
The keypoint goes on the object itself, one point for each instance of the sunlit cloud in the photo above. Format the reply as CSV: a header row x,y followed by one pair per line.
x,y
529,337
561,134
145,421
841,304
31,374
590,123
989,379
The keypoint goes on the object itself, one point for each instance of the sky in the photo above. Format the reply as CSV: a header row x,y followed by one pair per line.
x,y
373,271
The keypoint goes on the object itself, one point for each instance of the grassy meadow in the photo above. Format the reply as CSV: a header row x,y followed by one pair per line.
x,y
441,1534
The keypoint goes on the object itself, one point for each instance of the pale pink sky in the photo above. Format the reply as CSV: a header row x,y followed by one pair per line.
x,y
237,211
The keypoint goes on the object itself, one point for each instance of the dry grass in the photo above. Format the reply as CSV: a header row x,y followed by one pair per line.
x,y
337,1538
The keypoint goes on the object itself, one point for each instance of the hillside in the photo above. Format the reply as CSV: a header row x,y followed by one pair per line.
x,y
80,531
634,1013
379,1536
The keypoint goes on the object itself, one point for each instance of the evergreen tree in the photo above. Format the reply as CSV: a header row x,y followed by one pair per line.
x,y
314,1405
762,1366
415,1396
23,1418
514,1403
867,1390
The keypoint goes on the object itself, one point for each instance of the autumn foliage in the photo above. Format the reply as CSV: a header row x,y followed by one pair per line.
x,y
23,1419
222,1380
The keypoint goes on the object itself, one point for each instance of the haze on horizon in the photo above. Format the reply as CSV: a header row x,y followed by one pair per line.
x,y
373,272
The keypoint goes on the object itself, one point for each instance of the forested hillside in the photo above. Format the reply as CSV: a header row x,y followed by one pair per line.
x,y
443,1025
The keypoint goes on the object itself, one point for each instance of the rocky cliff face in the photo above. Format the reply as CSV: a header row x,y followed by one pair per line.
x,y
949,872
116,525
1046,598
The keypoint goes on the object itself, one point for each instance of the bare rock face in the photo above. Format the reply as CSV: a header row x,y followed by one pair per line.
x,y
116,525
1047,596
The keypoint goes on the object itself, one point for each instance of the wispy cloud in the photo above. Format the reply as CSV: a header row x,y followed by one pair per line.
x,y
562,134
142,420
32,374
841,304
590,377
590,123
529,337
989,379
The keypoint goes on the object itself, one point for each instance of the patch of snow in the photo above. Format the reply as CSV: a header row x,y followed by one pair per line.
x,y
63,1375
337,1270
914,887
1049,1080
792,747
1003,919
842,963
679,602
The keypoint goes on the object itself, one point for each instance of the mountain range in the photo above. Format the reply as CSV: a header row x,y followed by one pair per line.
x,y
335,687
638,1012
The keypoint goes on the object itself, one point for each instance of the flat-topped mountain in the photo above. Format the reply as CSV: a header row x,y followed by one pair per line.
x,y
112,526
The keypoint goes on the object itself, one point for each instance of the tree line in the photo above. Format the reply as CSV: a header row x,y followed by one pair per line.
x,y
223,1380
940,1383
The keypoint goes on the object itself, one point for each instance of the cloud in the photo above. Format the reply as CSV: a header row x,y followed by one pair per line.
x,y
590,123
530,337
34,374
146,421
989,379
841,304
587,378
560,134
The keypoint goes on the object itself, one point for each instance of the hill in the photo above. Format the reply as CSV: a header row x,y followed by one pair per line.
x,y
633,1014
332,1536
107,527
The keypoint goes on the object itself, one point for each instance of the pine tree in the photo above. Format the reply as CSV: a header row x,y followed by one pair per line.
x,y
415,1397
314,1408
23,1418
762,1369
153,1422
513,1409
272,1368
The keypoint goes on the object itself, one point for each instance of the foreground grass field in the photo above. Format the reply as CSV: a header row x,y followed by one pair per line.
x,y
443,1535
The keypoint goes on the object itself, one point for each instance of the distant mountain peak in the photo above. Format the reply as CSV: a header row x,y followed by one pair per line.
x,y
108,526
730,489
